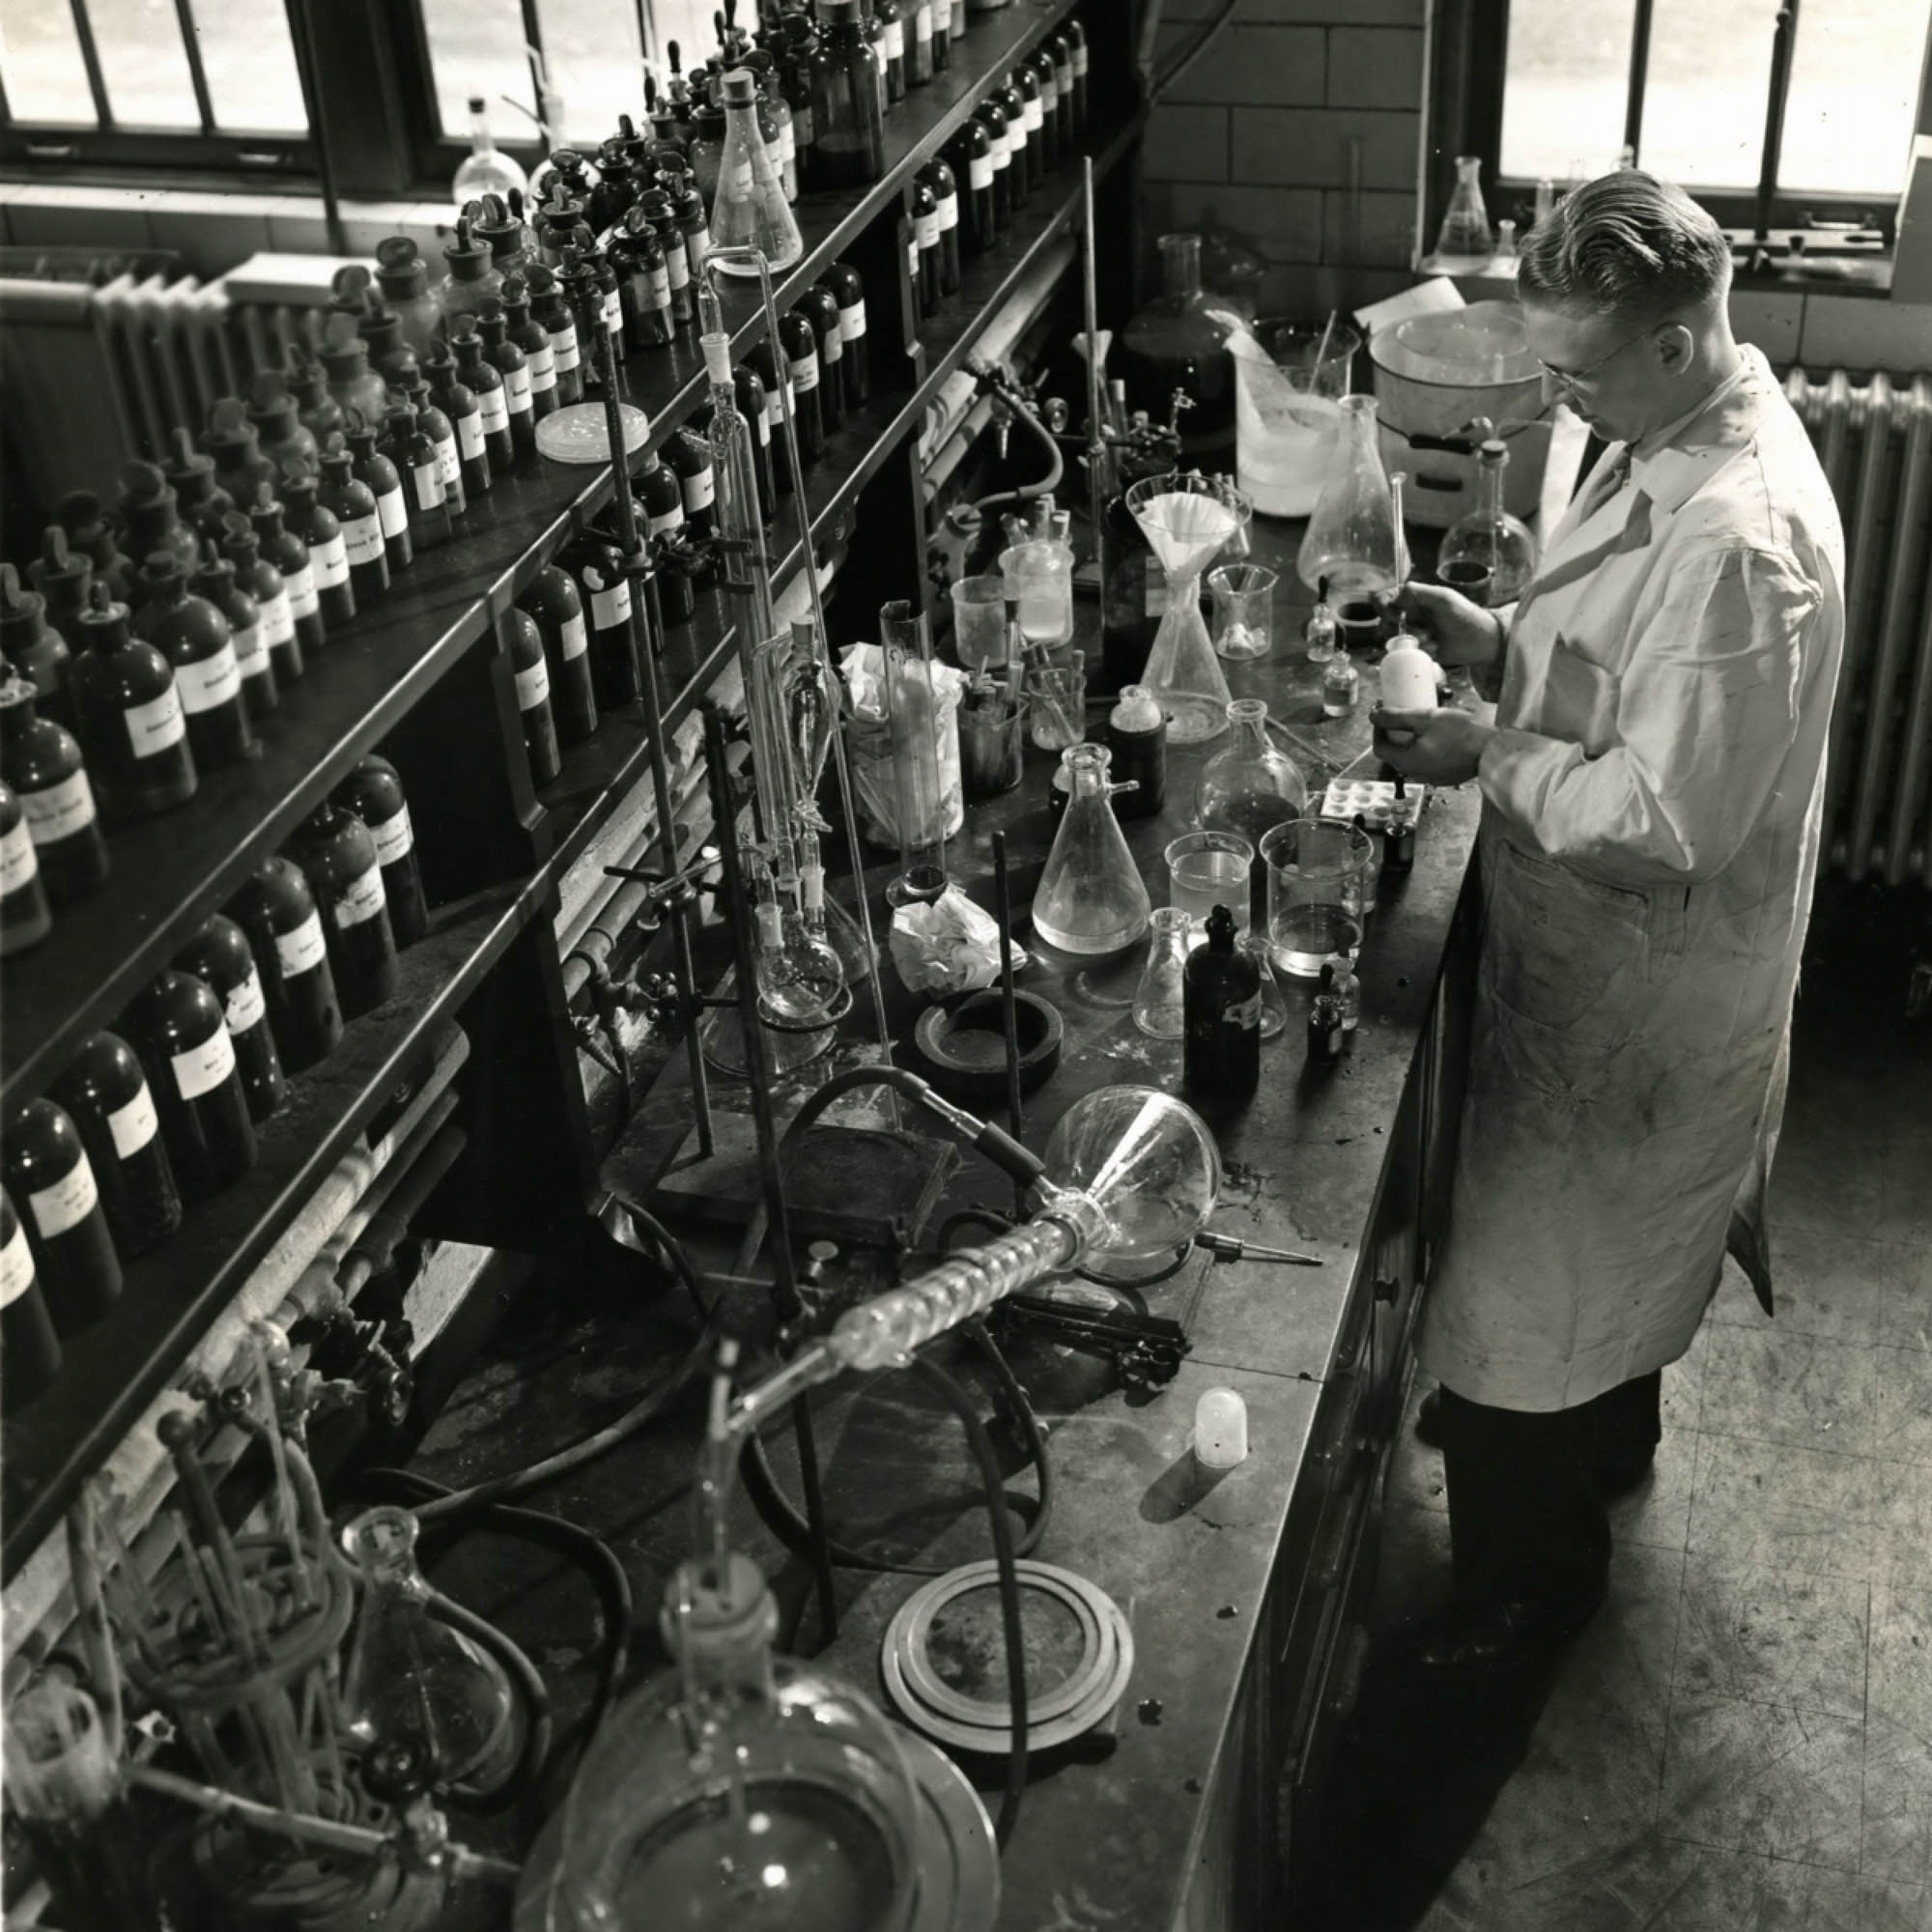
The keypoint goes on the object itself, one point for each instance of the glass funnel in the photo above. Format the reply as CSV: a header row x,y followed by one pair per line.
x,y
1353,539
743,1792
412,1679
1091,898
1187,519
1147,1159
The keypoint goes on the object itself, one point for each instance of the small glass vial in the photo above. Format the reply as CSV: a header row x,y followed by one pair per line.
x,y
1341,685
1327,1040
1320,628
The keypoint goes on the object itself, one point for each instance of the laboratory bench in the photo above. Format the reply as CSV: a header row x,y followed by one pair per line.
x,y
1245,1590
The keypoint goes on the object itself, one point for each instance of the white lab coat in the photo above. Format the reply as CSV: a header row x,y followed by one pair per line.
x,y
1648,846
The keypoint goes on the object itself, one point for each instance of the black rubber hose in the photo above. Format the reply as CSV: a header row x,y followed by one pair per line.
x,y
538,1726
670,1247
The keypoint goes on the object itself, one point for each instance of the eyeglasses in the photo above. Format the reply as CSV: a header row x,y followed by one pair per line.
x,y
1573,379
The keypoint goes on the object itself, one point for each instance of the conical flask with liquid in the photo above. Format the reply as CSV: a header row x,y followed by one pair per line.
x,y
1489,554
1355,538
1465,234
751,210
1187,519
1091,897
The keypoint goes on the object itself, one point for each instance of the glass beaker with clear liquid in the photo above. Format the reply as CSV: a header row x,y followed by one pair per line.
x,y
1317,876
1206,869
1091,897
1288,413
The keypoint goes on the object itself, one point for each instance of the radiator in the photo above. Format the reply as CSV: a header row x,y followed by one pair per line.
x,y
94,375
1875,441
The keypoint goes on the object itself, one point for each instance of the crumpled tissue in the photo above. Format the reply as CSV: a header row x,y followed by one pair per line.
x,y
950,946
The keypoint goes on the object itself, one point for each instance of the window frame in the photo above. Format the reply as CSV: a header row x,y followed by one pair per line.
x,y
1467,98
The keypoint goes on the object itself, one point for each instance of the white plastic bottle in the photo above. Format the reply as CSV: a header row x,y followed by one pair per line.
x,y
1409,676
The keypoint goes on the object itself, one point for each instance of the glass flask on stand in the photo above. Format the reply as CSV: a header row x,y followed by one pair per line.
x,y
1157,1000
1355,537
1489,554
416,1680
1187,519
1174,343
743,1791
751,210
1465,234
1091,897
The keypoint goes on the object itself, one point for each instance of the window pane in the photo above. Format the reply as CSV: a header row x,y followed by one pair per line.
x,y
39,60
141,58
1566,80
250,65
1710,84
476,46
688,22
591,47
1848,120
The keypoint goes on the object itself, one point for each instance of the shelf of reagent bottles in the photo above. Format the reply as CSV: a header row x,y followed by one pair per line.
x,y
110,1372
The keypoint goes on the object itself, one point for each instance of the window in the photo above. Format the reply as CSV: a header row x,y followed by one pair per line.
x,y
1691,88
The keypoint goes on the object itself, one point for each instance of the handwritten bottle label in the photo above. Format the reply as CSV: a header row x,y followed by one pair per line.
x,y
563,347
852,322
395,838
361,899
804,370
203,1069
392,512
278,619
67,1203
135,1124
251,650
244,1006
669,520
699,490
208,681
154,726
540,366
926,230
517,387
494,410
948,211
363,537
17,865
329,561
302,951
611,608
300,586
572,638
59,811
470,435
17,1266
532,686
430,492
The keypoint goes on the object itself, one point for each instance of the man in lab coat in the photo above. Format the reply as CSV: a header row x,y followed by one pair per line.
x,y
1652,784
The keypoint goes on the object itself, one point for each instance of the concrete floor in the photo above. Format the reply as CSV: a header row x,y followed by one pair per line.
x,y
1742,1741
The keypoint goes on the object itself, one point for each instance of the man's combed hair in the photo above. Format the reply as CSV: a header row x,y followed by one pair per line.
x,y
1625,242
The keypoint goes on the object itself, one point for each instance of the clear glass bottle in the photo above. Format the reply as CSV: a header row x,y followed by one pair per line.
x,y
1174,343
337,855
220,956
751,210
46,1168
1274,1012
278,913
1353,540
1158,999
403,277
1249,785
413,1679
177,1028
486,169
1489,554
130,717
1341,685
473,280
352,382
278,425
1091,897
27,1338
1465,236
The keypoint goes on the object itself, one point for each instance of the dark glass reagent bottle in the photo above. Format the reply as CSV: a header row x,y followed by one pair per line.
x,y
179,1030
48,1172
134,728
374,792
278,912
221,959
1221,1005
106,1095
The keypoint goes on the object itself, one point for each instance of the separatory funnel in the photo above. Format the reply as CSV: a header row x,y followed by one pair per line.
x,y
1187,519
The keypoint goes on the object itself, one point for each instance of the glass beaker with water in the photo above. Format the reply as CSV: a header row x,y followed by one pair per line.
x,y
1187,519
1317,875
1091,897
1289,387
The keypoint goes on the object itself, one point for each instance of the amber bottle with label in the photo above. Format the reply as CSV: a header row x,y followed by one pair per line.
x,y
353,505
194,638
459,402
410,387
550,310
512,366
1221,1002
373,791
848,290
43,767
256,577
284,553
41,654
149,516
48,1172
214,580
308,518
220,956
800,343
533,339
277,912
108,1097
971,157
531,668
554,602
383,481
24,918
181,1032
337,855
599,567
754,400
28,1344
418,463
938,175
819,306
923,207
482,378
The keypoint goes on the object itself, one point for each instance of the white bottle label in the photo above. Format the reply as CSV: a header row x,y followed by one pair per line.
x,y
926,230
912,256
1080,60
1002,152
774,404
17,1266
278,619
657,288
251,650
17,864
1032,116
784,150
362,538
948,213
670,520
135,1124
516,387
804,371
764,420
613,311
244,1006
677,264
611,608
572,639
395,838
852,322
922,24
60,810
894,40
832,349
979,171
304,949
494,410
942,17
209,682
300,586
532,686
448,465
470,435
67,1203
563,347
329,561
430,492
203,1069
699,490
392,513
363,899
540,366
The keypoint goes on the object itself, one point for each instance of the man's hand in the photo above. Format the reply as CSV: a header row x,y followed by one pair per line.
x,y
1440,748
1457,631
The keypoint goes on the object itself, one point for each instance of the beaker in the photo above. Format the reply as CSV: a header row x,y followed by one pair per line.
x,y
1206,869
1243,595
1464,234
980,620
1316,888
990,741
1352,539
1057,703
1091,898
1187,518
924,790
1157,1000
750,211
1039,582
1288,411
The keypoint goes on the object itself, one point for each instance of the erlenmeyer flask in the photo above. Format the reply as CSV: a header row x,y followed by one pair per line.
x,y
1091,898
750,211
1187,519
1157,1001
1352,539
416,1681
1489,554
1465,234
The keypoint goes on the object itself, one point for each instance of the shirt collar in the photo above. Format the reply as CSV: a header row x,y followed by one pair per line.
x,y
1676,461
